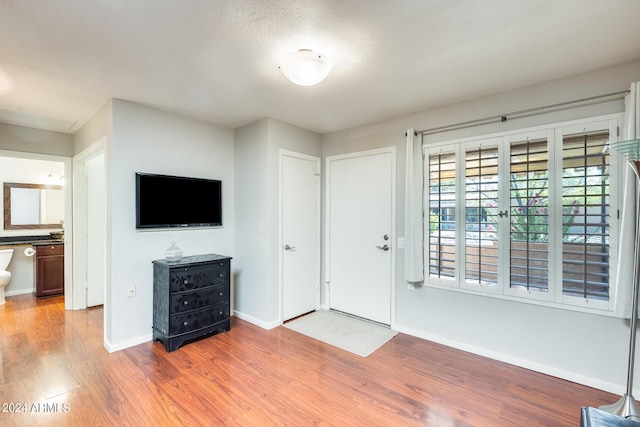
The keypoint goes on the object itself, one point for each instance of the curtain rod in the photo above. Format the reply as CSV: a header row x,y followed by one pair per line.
x,y
521,113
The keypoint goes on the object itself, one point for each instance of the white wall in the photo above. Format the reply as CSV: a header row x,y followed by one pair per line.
x,y
251,193
257,214
28,140
21,269
99,126
95,136
148,140
586,348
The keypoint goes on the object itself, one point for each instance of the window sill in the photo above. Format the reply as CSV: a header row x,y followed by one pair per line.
x,y
561,306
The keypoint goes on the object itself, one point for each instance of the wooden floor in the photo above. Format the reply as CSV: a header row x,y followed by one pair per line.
x,y
55,370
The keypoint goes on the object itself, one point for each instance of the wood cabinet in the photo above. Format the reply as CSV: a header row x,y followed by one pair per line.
x,y
191,298
49,269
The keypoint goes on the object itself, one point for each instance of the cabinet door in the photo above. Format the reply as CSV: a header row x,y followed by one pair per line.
x,y
49,275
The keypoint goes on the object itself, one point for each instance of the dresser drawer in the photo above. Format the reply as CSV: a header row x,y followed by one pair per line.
x,y
197,319
195,277
191,300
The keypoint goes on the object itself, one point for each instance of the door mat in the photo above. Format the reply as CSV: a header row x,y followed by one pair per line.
x,y
355,335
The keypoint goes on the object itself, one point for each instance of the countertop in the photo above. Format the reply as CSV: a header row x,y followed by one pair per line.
x,y
29,240
48,242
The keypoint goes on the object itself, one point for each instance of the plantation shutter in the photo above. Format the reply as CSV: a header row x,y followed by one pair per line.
x,y
585,215
481,213
529,215
441,224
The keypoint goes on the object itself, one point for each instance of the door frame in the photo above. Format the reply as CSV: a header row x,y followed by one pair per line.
x,y
287,153
391,150
80,222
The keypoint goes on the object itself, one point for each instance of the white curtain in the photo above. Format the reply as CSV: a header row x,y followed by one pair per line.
x,y
414,228
626,261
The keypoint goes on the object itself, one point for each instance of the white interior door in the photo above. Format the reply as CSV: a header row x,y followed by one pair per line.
x,y
95,253
300,233
360,234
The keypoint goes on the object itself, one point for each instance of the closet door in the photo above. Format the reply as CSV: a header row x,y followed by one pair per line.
x,y
300,233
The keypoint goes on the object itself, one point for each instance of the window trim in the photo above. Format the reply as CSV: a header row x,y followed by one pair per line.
x,y
553,132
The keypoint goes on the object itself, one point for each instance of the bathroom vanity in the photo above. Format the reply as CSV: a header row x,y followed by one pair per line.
x,y
42,278
48,269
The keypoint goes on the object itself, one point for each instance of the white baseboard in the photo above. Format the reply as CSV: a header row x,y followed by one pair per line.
x,y
516,361
18,292
111,348
257,322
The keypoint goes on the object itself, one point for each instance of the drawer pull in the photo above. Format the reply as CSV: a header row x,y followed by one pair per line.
x,y
185,323
220,293
221,313
186,281
186,303
220,275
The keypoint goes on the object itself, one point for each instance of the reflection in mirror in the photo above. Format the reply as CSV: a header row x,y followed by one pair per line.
x,y
31,206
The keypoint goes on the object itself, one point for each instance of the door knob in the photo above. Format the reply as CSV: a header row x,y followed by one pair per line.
x,y
384,248
289,248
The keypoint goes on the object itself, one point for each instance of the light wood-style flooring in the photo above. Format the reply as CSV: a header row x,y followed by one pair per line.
x,y
53,362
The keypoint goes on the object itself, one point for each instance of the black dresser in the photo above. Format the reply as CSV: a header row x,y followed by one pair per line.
x,y
191,298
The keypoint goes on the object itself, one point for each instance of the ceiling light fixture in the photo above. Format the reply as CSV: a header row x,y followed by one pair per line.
x,y
6,84
305,67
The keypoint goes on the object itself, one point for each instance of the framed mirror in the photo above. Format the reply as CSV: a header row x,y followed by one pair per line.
x,y
33,206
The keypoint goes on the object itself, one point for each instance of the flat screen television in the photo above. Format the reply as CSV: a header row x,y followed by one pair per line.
x,y
164,201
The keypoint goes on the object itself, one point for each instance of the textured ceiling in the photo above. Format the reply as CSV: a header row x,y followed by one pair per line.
x,y
217,60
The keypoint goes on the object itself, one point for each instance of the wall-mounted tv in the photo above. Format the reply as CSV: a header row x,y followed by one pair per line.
x,y
174,201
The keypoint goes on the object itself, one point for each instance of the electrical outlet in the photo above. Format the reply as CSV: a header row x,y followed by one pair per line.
x,y
131,292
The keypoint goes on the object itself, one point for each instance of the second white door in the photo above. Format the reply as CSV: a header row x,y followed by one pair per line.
x,y
360,233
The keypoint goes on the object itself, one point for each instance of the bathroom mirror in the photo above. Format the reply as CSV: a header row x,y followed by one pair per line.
x,y
33,206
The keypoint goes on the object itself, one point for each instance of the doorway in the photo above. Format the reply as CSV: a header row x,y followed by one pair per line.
x,y
360,233
299,233
40,169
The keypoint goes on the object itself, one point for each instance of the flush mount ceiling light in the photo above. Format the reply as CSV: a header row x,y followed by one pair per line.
x,y
6,84
305,67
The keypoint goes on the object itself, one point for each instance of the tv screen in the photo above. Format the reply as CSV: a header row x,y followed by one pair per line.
x,y
175,201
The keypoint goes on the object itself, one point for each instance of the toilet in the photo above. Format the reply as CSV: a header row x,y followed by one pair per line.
x,y
5,276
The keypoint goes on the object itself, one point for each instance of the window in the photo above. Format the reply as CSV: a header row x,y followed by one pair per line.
x,y
524,215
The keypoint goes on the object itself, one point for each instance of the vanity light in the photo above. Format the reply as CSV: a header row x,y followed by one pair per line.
x,y
56,177
305,67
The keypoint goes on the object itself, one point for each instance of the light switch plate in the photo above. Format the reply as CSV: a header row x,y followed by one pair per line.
x,y
400,242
